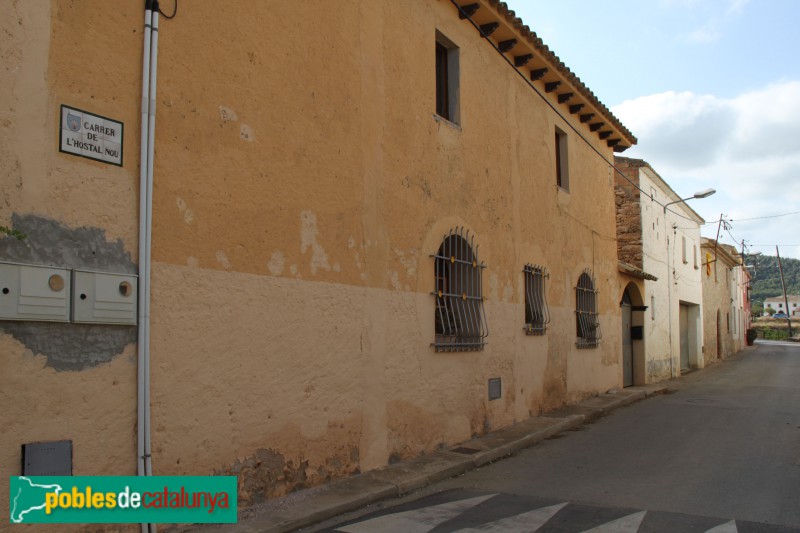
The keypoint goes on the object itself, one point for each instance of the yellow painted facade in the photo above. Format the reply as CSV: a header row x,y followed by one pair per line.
x,y
302,183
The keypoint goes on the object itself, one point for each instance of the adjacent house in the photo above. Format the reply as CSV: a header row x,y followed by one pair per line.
x,y
658,239
358,233
726,314
778,303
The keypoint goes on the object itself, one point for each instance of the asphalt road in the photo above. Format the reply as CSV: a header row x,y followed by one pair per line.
x,y
721,453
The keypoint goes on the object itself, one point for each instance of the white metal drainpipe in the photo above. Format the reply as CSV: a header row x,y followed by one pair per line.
x,y
149,69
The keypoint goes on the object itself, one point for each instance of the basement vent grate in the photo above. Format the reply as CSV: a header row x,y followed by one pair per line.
x,y
495,388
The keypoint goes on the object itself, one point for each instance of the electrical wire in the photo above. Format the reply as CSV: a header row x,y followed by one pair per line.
x,y
174,12
467,16
762,218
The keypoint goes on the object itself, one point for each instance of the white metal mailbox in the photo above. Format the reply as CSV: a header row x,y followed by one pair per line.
x,y
104,298
29,292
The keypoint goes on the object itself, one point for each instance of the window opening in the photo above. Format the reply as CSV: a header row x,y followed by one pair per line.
x,y
460,321
537,314
587,319
562,166
447,82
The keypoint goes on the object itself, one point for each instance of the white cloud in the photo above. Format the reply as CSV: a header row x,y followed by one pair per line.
x,y
713,28
747,147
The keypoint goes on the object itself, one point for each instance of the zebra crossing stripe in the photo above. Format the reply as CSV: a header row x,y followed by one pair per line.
x,y
728,527
521,523
417,520
626,524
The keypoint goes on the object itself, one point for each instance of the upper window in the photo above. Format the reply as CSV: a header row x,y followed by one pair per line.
x,y
447,83
460,321
587,319
537,315
683,247
562,161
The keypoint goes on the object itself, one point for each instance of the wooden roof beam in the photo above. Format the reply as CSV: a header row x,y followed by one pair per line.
x,y
551,86
538,74
507,45
467,10
488,29
521,61
565,97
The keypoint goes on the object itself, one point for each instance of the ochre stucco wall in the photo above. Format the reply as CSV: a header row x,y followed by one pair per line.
x,y
302,182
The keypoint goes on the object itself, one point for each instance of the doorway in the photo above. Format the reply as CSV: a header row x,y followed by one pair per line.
x,y
627,340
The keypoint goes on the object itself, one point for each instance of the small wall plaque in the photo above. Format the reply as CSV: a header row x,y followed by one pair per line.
x,y
88,135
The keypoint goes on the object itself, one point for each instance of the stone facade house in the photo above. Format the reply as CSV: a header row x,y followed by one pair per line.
x,y
658,242
358,234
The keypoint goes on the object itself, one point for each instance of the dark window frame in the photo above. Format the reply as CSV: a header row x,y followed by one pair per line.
x,y
562,159
587,318
460,320
447,79
537,313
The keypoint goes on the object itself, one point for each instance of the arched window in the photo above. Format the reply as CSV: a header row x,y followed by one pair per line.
x,y
586,317
460,320
537,315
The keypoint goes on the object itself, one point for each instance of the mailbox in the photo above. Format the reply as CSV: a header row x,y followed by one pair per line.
x,y
104,298
30,292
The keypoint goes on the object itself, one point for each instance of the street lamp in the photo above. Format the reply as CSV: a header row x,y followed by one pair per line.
x,y
702,194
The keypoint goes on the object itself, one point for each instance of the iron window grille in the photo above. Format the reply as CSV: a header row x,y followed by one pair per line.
x,y
460,319
537,315
587,318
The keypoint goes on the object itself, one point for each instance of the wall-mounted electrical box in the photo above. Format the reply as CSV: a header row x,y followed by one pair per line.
x,y
104,298
29,292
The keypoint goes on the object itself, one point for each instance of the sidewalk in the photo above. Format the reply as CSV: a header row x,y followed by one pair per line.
x,y
307,507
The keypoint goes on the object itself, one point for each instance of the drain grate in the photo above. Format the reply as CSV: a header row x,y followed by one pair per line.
x,y
465,451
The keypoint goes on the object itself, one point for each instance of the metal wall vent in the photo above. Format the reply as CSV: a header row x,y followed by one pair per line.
x,y
495,388
47,458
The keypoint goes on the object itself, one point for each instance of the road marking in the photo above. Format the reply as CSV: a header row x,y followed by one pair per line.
x,y
521,523
729,527
416,521
626,524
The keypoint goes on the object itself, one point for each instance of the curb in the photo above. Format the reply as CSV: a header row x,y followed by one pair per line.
x,y
311,506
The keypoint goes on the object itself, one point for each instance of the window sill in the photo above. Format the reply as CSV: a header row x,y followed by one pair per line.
x,y
441,119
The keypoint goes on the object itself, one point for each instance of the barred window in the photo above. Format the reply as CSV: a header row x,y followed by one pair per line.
x,y
537,315
460,320
587,320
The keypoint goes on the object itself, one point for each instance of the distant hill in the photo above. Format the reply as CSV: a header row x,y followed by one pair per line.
x,y
767,279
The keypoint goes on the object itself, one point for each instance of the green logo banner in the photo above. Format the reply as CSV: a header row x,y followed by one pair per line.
x,y
122,499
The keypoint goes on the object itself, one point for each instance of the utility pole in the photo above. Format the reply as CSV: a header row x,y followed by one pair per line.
x,y
785,298
716,242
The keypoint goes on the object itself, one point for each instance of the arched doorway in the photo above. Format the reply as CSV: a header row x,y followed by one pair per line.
x,y
632,318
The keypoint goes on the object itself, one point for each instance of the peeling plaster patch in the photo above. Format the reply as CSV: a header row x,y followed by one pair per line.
x,y
293,270
276,263
508,292
223,259
192,262
246,133
394,279
351,243
68,347
363,276
308,238
226,114
188,214
494,286
337,267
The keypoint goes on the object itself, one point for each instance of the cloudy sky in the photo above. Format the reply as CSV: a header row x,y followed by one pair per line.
x,y
711,88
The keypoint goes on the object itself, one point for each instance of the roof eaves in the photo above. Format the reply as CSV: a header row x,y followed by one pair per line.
x,y
511,17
